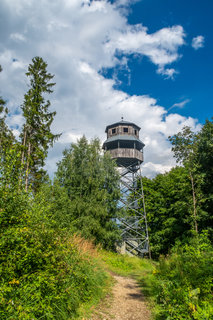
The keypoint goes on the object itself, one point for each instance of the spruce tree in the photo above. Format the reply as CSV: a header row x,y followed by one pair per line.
x,y
6,136
204,168
36,135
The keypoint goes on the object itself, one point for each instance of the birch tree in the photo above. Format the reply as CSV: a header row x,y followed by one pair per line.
x,y
184,148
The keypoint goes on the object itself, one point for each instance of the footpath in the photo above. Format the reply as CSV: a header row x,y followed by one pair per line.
x,y
125,303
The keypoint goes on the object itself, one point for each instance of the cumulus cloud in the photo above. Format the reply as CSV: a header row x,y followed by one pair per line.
x,y
160,47
198,42
78,39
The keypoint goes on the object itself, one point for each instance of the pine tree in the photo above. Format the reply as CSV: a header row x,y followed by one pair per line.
x,y
36,135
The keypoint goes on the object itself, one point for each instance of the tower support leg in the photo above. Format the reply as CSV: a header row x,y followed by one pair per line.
x,y
133,221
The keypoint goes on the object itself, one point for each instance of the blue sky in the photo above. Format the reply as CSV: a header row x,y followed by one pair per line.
x,y
193,83
148,61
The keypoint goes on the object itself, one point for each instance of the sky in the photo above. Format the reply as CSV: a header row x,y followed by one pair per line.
x,y
149,61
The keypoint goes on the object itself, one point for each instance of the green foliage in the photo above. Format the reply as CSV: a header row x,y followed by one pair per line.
x,y
126,265
180,202
45,274
204,159
168,205
184,146
58,207
92,185
6,136
179,286
36,135
183,282
195,153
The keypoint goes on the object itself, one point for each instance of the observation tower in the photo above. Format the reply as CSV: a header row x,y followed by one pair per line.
x,y
125,146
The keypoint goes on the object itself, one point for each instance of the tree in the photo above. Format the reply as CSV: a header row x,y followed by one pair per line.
x,y
92,185
184,148
6,136
36,135
168,202
204,168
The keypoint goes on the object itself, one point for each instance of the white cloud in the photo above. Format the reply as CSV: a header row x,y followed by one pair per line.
x,y
125,2
151,167
180,105
198,42
160,47
15,120
78,39
16,133
167,72
17,37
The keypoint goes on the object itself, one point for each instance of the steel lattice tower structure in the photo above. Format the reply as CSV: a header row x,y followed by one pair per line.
x,y
126,148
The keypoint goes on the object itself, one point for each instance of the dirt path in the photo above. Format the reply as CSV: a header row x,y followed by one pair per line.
x,y
126,303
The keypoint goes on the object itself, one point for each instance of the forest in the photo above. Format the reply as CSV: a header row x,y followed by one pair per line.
x,y
56,234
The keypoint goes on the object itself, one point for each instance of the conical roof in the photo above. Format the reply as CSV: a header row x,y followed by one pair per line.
x,y
122,123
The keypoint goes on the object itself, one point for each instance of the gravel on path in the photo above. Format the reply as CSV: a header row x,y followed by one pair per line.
x,y
126,303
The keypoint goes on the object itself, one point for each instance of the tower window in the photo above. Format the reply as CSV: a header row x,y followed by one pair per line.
x,y
136,132
125,129
113,131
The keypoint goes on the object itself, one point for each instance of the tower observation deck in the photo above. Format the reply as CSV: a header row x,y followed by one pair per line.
x,y
126,148
124,144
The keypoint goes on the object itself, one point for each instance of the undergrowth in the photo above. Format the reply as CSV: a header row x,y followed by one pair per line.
x,y
45,273
183,282
178,286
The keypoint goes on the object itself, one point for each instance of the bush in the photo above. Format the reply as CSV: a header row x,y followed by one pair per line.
x,y
44,273
183,286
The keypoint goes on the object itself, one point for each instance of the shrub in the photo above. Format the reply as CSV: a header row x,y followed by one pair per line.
x,y
44,273
183,286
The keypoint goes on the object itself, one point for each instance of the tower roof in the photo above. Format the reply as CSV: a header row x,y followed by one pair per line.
x,y
122,123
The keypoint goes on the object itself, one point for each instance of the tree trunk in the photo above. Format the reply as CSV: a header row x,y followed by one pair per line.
x,y
27,168
22,157
24,145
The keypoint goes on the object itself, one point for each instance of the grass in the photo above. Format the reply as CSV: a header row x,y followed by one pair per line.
x,y
141,269
103,288
86,309
125,265
163,283
113,263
